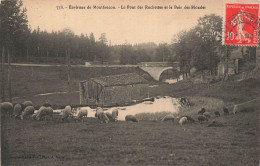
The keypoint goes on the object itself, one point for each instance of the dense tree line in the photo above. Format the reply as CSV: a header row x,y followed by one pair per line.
x,y
58,44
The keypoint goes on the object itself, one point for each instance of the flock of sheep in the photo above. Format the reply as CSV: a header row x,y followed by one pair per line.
x,y
45,112
203,116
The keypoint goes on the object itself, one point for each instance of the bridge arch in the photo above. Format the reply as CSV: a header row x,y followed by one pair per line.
x,y
174,70
156,72
160,72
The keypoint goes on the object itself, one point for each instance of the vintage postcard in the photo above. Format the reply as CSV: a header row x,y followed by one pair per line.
x,y
130,82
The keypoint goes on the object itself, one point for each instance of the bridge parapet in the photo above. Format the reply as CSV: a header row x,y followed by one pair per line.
x,y
158,64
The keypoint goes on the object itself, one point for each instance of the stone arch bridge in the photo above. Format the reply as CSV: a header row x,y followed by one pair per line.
x,y
155,69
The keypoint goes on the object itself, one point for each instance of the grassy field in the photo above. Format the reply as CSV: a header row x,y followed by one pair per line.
x,y
125,143
40,143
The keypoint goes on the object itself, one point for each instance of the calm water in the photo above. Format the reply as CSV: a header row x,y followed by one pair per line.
x,y
162,104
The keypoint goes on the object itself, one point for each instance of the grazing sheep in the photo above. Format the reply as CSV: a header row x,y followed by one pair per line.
x,y
6,108
43,112
201,111
225,110
17,110
115,114
98,110
34,115
202,118
81,113
207,115
183,120
29,110
217,113
131,118
190,119
26,104
235,109
68,107
102,117
110,116
66,113
168,118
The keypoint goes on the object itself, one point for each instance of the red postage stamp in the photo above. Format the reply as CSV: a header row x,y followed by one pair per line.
x,y
241,24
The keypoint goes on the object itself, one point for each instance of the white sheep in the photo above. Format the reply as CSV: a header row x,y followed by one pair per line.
x,y
130,118
98,110
29,110
81,113
235,109
183,120
66,113
190,119
68,107
6,108
44,112
110,117
115,114
26,104
168,118
17,110
101,115
36,114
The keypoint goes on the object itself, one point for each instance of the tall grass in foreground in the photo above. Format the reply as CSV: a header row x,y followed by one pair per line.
x,y
209,103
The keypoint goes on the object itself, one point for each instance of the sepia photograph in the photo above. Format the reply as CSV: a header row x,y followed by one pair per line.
x,y
130,82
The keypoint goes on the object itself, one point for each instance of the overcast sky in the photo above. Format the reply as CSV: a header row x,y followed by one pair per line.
x,y
121,25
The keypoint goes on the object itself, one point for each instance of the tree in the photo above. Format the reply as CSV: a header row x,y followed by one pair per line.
x,y
14,28
127,55
209,29
13,32
198,47
184,45
163,51
103,38
92,37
